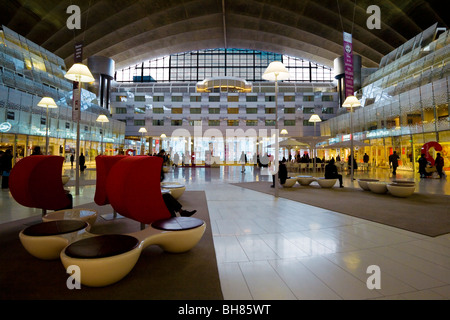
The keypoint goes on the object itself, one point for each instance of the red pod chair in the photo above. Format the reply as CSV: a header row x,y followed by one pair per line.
x,y
36,182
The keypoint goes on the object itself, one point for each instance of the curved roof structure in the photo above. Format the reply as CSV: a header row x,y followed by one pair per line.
x,y
130,31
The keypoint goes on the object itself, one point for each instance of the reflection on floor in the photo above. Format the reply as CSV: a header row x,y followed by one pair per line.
x,y
273,248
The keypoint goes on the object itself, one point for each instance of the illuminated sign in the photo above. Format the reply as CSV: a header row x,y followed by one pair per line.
x,y
5,127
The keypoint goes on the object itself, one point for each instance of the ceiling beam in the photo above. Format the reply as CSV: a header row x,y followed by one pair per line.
x,y
224,25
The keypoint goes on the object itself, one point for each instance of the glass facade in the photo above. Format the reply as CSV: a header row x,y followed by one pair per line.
x,y
28,73
218,124
405,102
198,65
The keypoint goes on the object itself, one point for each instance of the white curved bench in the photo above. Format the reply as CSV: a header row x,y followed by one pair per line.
x,y
305,180
326,183
289,183
378,186
401,190
363,183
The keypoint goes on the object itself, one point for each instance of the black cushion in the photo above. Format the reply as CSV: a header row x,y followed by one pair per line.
x,y
52,228
103,246
177,223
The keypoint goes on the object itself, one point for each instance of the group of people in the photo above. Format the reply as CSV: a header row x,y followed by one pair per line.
x,y
426,169
331,172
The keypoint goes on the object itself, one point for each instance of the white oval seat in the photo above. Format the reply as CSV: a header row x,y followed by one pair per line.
x,y
305,180
401,190
326,183
289,183
176,189
378,187
363,183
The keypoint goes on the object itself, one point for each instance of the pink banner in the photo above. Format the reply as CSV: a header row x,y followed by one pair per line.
x,y
348,64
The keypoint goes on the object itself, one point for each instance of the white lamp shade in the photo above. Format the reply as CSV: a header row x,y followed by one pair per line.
x,y
163,135
142,130
284,131
80,73
47,102
351,102
102,118
314,118
276,71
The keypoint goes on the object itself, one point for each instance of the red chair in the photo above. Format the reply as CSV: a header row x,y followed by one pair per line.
x,y
103,167
36,182
133,189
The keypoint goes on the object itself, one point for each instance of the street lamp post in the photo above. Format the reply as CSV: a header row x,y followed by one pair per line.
x,y
314,118
102,118
47,102
78,73
142,130
284,132
350,103
163,135
276,71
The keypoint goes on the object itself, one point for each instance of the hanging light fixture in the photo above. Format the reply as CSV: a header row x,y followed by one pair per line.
x,y
79,73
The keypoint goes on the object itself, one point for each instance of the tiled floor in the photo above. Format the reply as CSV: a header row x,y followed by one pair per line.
x,y
273,248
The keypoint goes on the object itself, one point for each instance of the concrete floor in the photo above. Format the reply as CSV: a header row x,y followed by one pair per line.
x,y
271,248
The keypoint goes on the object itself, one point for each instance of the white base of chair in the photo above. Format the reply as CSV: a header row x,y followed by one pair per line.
x,y
88,215
100,272
326,183
176,189
65,179
49,247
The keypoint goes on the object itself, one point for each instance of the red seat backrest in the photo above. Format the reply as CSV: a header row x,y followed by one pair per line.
x,y
134,190
36,182
103,167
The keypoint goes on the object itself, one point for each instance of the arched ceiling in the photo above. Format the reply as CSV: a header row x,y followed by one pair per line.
x,y
130,31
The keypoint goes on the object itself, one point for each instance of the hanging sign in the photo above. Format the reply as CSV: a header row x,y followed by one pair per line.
x,y
76,105
348,64
76,99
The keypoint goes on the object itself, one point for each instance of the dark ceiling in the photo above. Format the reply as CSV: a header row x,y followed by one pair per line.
x,y
130,31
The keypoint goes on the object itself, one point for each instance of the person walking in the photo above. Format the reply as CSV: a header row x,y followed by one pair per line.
x,y
82,162
6,166
72,159
393,161
243,161
439,163
366,158
422,165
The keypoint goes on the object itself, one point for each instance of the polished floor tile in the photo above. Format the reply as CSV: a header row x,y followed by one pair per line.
x,y
271,248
